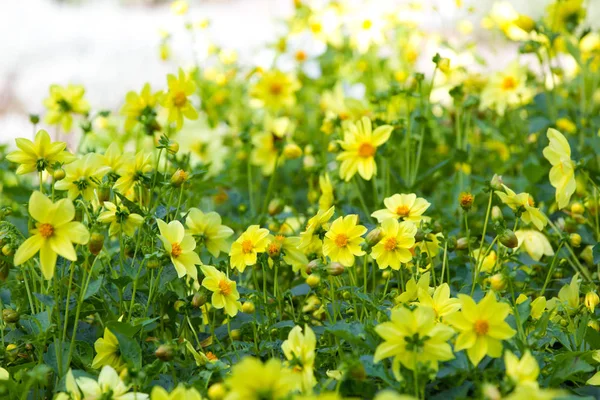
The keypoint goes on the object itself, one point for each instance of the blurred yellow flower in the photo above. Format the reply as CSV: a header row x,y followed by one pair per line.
x,y
140,108
299,349
535,243
326,199
176,99
521,371
63,103
562,173
82,177
132,172
179,393
275,90
208,229
506,88
120,219
108,352
251,379
523,204
267,145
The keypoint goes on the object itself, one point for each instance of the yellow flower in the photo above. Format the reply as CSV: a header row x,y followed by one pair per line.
x,y
225,294
538,306
39,155
54,233
413,288
180,248
441,302
176,99
132,172
72,390
266,149
565,15
562,173
343,239
114,158
523,203
310,239
482,327
521,371
487,263
82,177
394,247
251,379
120,219
326,199
565,124
359,147
209,230
140,108
63,103
289,247
414,338
110,385
245,249
179,7
108,352
409,207
299,349
535,243
179,393
275,90
568,295
506,88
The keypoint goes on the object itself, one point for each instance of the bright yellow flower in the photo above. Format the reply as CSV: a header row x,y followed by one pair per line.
x,y
54,233
562,173
441,302
251,379
289,248
310,239
414,338
140,108
568,295
482,327
114,158
343,239
394,247
108,352
63,103
538,306
413,289
180,247
72,390
408,207
179,393
530,391
176,99
523,203
266,147
359,148
506,88
109,385
275,90
535,243
39,155
245,249
120,219
520,371
326,199
82,177
299,349
207,227
132,172
486,262
225,294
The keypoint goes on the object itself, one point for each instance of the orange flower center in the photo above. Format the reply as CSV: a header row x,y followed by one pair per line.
x,y
247,246
390,244
211,356
276,88
46,230
300,56
481,327
402,211
366,150
175,249
530,201
273,248
180,99
224,287
509,83
341,240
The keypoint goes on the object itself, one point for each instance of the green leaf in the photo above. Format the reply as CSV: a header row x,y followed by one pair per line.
x,y
93,288
596,253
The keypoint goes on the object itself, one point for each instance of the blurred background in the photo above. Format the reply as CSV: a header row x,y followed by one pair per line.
x,y
113,46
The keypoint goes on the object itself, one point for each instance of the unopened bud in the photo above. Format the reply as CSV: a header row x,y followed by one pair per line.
x,y
96,243
178,178
313,280
374,237
462,243
10,316
577,208
508,239
498,282
591,301
248,307
497,214
34,118
275,206
444,65
575,239
236,334
496,182
103,194
311,266
419,236
164,353
153,262
335,269
217,391
179,306
198,300
7,250
173,147
58,174
466,200
291,151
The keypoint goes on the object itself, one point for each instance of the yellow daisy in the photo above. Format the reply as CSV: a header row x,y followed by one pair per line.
x,y
343,240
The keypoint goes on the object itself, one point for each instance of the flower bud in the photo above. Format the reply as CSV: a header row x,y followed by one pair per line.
x,y
10,316
497,214
498,282
179,306
217,391
198,300
178,178
496,182
153,263
34,118
173,147
335,269
577,208
311,266
7,250
164,353
103,194
462,243
591,300
508,239
236,334
374,237
313,280
96,243
594,325
291,151
575,239
275,206
419,236
444,65
248,307
58,174
466,200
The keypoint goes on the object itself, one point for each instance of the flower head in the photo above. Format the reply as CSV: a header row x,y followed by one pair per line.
x,y
108,352
251,379
40,155
535,243
343,240
244,251
225,294
108,384
82,177
562,173
180,247
63,103
207,227
299,349
441,302
120,219
522,204
394,247
310,239
141,108
407,207
176,99
275,90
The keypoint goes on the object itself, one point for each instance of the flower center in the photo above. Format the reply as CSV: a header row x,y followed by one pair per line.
x,y
274,248
316,27
366,150
247,246
276,88
390,244
402,211
175,249
509,83
300,56
481,327
530,201
46,230
367,24
180,99
341,240
224,287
